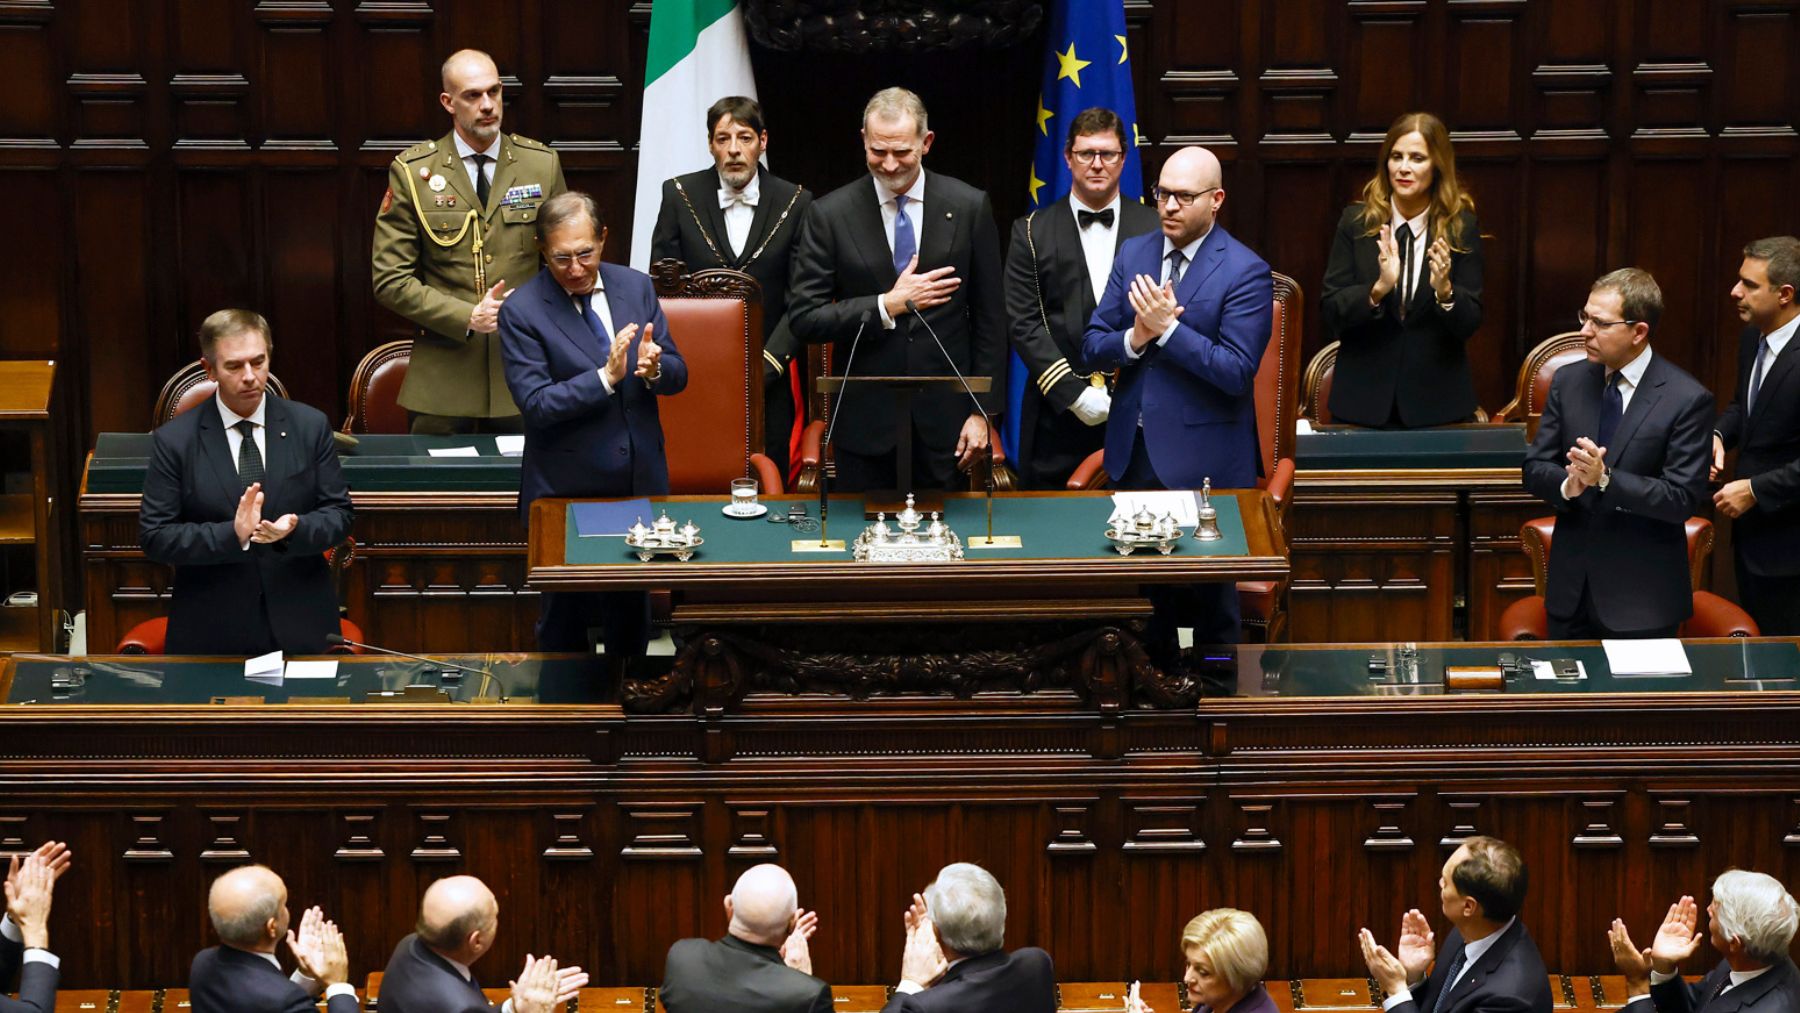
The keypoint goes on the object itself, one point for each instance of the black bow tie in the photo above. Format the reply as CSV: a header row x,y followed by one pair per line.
x,y
1086,218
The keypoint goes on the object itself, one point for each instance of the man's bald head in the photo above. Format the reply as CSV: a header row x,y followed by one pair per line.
x,y
466,63
248,907
472,96
458,918
1193,173
762,905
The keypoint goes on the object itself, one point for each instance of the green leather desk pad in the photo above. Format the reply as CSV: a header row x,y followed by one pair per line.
x,y
380,463
1335,448
1049,527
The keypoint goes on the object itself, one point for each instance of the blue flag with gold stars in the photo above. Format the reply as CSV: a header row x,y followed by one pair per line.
x,y
1086,63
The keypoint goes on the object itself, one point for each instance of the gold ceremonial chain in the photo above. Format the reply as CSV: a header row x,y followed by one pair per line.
x,y
682,190
472,221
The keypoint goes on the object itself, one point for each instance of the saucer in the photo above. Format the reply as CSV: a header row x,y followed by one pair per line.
x,y
731,510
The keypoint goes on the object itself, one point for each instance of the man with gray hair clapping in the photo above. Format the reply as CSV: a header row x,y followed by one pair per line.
x,y
762,965
1751,921
953,959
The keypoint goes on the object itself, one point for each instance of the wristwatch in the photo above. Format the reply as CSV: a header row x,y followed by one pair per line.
x,y
1605,479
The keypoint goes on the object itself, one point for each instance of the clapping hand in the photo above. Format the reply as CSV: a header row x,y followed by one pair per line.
x,y
29,888
1587,462
1437,255
649,357
1155,307
923,962
269,532
319,949
485,318
1418,947
249,513
1387,263
1384,967
614,370
535,989
795,952
1677,938
1633,963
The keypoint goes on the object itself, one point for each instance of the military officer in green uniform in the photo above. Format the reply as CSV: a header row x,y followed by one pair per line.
x,y
456,233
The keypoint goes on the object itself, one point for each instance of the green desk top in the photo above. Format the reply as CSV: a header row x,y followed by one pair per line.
x,y
1048,527
1351,448
380,463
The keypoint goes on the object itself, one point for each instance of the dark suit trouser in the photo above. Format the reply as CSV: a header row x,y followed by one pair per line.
x,y
1211,609
453,425
1774,602
778,420
1585,624
564,618
931,469
1060,441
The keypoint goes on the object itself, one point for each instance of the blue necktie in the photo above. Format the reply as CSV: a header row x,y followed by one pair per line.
x,y
1456,966
1612,408
1756,376
905,244
593,321
1177,260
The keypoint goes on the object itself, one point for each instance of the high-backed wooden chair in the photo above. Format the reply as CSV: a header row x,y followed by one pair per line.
x,y
375,390
1713,616
191,386
1318,384
713,430
1277,389
1533,384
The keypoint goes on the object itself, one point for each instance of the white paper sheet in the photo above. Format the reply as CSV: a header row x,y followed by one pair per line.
x,y
1647,657
511,444
265,667
454,452
312,669
1546,670
1182,503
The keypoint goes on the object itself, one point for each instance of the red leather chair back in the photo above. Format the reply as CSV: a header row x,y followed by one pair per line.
x,y
1318,384
152,635
191,386
375,390
1535,536
1277,384
713,426
1535,373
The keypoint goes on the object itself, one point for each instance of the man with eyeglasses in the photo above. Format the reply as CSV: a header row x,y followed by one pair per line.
x,y
1056,271
1621,453
1184,320
587,353
452,237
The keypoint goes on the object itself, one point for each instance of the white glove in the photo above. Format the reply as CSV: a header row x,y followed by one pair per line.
x,y
1092,406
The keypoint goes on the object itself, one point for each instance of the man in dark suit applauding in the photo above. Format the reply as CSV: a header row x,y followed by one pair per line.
x,y
870,248
430,970
1763,426
587,354
739,215
1056,271
248,907
762,965
1621,453
1751,921
1488,964
25,931
953,960
243,496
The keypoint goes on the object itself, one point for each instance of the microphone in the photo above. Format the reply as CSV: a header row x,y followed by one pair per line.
x,y
338,639
838,413
945,352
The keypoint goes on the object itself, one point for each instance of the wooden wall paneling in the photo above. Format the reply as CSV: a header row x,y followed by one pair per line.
x,y
1567,234
1755,93
1677,250
33,45
1499,570
304,302
1365,564
1383,45
396,79
1171,856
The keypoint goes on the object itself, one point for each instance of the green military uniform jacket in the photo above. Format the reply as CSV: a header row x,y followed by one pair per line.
x,y
425,267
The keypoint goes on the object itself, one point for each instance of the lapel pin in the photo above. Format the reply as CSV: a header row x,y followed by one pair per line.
x,y
948,215
424,172
284,435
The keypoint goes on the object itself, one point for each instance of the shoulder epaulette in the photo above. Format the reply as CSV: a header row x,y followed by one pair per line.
x,y
419,150
524,141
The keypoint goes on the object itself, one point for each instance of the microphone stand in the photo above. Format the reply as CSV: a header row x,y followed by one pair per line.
x,y
824,471
986,420
443,666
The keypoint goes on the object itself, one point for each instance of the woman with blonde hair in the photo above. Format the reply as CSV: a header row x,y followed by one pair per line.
x,y
1402,290
1226,954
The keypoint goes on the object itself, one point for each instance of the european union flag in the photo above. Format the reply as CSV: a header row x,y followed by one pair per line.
x,y
1086,63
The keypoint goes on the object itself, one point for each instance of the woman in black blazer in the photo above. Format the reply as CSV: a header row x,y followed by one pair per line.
x,y
1226,954
1402,290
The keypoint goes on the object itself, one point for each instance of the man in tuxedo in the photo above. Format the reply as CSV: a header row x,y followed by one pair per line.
x,y
877,249
243,496
1056,271
1621,453
587,354
953,960
1763,426
25,930
762,965
248,907
1751,921
1185,319
1489,963
430,969
739,215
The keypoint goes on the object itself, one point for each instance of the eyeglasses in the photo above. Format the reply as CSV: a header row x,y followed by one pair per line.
x,y
1103,156
584,257
1598,324
1182,197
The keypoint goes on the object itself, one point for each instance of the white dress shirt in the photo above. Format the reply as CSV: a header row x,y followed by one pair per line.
x,y
1188,253
234,440
1421,241
915,213
1630,375
1472,952
739,209
32,956
1097,242
467,153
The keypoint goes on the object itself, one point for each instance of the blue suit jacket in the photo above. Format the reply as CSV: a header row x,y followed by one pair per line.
x,y
419,981
579,440
37,981
228,980
1196,392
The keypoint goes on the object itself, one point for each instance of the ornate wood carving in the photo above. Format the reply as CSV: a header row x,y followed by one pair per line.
x,y
1462,822
567,845
358,835
225,847
434,842
661,831
752,834
1163,826
1598,832
1388,836
146,839
1256,837
1072,834
1673,830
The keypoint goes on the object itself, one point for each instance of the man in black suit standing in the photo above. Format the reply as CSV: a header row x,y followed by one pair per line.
x,y
762,965
1621,453
430,970
867,250
243,496
248,907
1751,921
953,960
1056,270
25,930
739,215
1488,964
1763,426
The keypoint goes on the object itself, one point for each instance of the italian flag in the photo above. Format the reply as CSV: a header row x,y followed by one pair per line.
x,y
698,55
